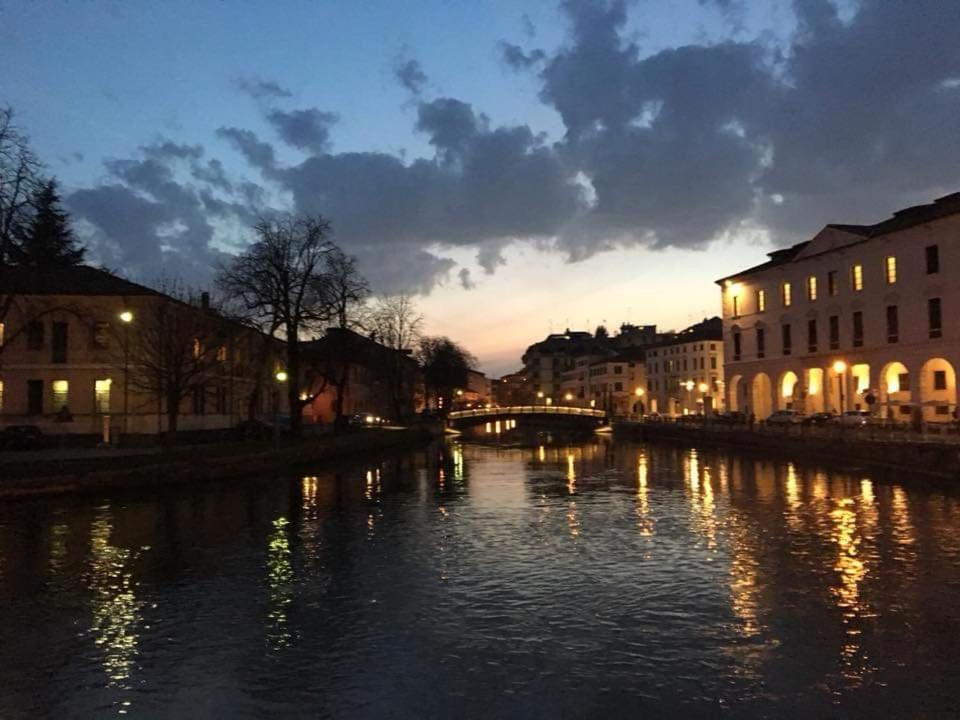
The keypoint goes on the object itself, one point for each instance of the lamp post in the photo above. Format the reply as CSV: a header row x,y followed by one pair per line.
x,y
281,377
639,392
702,387
540,395
840,367
689,386
126,317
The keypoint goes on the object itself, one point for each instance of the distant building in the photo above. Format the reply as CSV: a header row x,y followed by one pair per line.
x,y
512,389
685,371
65,351
478,391
545,362
855,318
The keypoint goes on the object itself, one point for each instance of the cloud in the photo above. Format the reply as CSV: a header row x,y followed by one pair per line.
x,y
260,89
518,60
410,74
466,282
304,129
258,153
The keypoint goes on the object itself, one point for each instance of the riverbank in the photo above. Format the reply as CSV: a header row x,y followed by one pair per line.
x,y
842,450
198,463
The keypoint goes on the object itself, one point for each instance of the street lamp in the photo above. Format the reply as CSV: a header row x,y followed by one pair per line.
x,y
840,367
702,387
281,377
568,397
689,386
126,317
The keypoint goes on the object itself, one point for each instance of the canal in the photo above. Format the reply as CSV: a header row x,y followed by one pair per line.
x,y
553,578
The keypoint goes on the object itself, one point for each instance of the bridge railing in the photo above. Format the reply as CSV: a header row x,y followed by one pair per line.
x,y
527,410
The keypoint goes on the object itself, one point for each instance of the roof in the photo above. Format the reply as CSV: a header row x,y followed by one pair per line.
x,y
357,346
707,329
901,220
69,280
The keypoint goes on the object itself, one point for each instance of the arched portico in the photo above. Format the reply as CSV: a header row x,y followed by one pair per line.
x,y
895,395
938,390
733,393
814,400
761,396
788,389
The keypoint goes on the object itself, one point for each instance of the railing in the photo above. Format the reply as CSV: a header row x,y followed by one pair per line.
x,y
527,410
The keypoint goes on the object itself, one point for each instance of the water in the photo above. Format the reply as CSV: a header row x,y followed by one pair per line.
x,y
579,579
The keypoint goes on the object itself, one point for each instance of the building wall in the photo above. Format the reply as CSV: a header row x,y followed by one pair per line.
x,y
911,371
86,375
686,378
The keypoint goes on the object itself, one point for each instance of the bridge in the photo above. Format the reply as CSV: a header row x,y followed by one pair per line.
x,y
552,414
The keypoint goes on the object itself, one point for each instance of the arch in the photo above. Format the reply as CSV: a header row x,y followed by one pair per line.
x,y
733,393
859,385
788,390
761,396
938,390
814,401
895,395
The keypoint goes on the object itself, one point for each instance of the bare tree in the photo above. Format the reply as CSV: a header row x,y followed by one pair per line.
x,y
395,322
277,284
171,351
19,180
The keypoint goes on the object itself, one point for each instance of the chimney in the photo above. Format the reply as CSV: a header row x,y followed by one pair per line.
x,y
205,300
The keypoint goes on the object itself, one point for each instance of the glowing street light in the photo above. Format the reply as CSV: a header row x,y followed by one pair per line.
x,y
126,317
639,392
281,376
568,397
840,367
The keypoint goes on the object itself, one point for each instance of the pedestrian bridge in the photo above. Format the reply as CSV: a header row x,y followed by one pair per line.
x,y
553,414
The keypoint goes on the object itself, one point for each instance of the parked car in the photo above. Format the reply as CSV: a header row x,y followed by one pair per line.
x,y
819,419
366,420
731,417
22,437
855,418
785,417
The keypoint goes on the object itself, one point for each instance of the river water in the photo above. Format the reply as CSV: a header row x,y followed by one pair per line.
x,y
562,578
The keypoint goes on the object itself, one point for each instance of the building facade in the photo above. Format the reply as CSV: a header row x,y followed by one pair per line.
x,y
685,372
71,343
855,318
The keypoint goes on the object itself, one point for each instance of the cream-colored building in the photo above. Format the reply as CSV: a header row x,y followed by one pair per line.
x,y
855,318
685,373
69,343
608,383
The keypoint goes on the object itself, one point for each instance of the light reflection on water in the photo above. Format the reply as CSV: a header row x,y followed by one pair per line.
x,y
565,578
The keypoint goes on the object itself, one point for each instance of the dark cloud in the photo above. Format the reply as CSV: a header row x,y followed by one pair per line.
x,y
466,282
517,59
260,89
307,130
529,28
258,153
410,74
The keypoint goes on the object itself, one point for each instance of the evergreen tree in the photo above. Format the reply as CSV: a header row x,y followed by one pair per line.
x,y
47,238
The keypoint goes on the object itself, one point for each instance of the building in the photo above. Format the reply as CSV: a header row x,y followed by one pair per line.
x,y
685,371
852,319
545,362
84,352
512,389
365,376
478,390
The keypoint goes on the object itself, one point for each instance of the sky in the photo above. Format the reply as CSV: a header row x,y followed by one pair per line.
x,y
523,167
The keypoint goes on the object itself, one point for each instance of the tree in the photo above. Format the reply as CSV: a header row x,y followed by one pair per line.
x,y
446,367
344,291
601,333
47,239
395,323
19,179
277,284
171,349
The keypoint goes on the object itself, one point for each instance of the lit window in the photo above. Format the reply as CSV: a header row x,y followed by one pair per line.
x,y
736,306
761,300
856,277
787,295
1,334
890,269
222,353
812,288
1,396
101,395
197,348
61,394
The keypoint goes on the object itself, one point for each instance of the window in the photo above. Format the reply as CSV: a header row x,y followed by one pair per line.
x,y
890,269
832,283
1,334
1,396
101,396
222,407
761,300
618,369
933,259
197,348
199,400
786,294
934,317
736,346
761,345
61,394
713,362
856,278
59,344
858,329
787,340
893,324
939,379
618,387
811,336
35,397
222,354
834,332
101,335
904,382
736,306
812,288
35,335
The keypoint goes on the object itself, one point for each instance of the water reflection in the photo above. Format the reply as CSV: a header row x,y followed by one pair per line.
x,y
569,575
116,611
